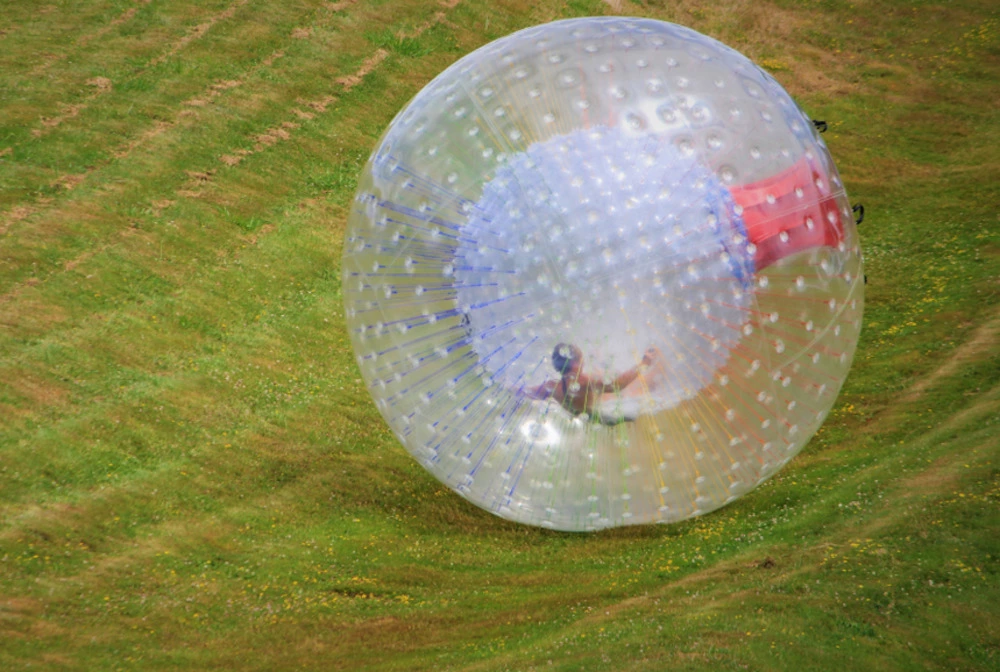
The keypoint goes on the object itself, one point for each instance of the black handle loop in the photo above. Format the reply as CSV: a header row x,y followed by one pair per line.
x,y
820,125
859,214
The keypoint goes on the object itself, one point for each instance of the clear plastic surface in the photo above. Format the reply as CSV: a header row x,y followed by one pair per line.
x,y
602,272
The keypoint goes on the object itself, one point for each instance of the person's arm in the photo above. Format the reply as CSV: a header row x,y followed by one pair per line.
x,y
543,391
627,378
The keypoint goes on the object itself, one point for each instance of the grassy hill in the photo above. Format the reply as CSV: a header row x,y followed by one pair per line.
x,y
193,477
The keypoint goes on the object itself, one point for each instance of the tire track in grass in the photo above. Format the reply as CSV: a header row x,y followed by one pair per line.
x,y
195,33
985,339
97,556
207,97
265,140
282,132
101,86
46,125
189,107
347,83
340,6
179,385
21,212
83,40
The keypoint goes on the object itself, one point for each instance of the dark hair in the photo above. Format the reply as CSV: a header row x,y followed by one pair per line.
x,y
563,355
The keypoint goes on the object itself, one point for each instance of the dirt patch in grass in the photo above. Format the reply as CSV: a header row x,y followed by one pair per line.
x,y
274,135
340,6
158,128
14,215
69,182
21,606
198,32
935,478
200,177
68,112
32,315
283,131
985,339
102,84
369,64
124,17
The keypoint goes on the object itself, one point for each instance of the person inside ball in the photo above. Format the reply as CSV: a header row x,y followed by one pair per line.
x,y
579,392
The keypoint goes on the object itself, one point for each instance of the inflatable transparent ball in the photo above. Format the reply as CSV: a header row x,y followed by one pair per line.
x,y
602,272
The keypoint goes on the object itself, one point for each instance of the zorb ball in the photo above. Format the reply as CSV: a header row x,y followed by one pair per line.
x,y
602,272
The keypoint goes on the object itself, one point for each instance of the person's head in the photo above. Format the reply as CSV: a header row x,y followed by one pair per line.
x,y
566,358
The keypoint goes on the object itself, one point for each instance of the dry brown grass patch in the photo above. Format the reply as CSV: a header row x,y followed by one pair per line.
x,y
199,176
69,182
985,340
267,62
276,134
119,20
369,64
35,388
225,85
158,128
764,32
76,261
161,205
264,230
198,32
16,214
937,477
321,104
68,112
21,606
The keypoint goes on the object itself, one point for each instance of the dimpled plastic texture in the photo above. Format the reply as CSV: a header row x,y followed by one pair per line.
x,y
636,190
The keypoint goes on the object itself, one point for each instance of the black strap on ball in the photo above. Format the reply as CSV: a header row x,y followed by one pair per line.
x,y
859,214
820,125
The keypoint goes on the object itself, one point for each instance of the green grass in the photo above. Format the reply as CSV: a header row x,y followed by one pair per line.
x,y
192,475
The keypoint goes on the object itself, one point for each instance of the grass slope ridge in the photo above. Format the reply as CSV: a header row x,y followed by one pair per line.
x,y
192,475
